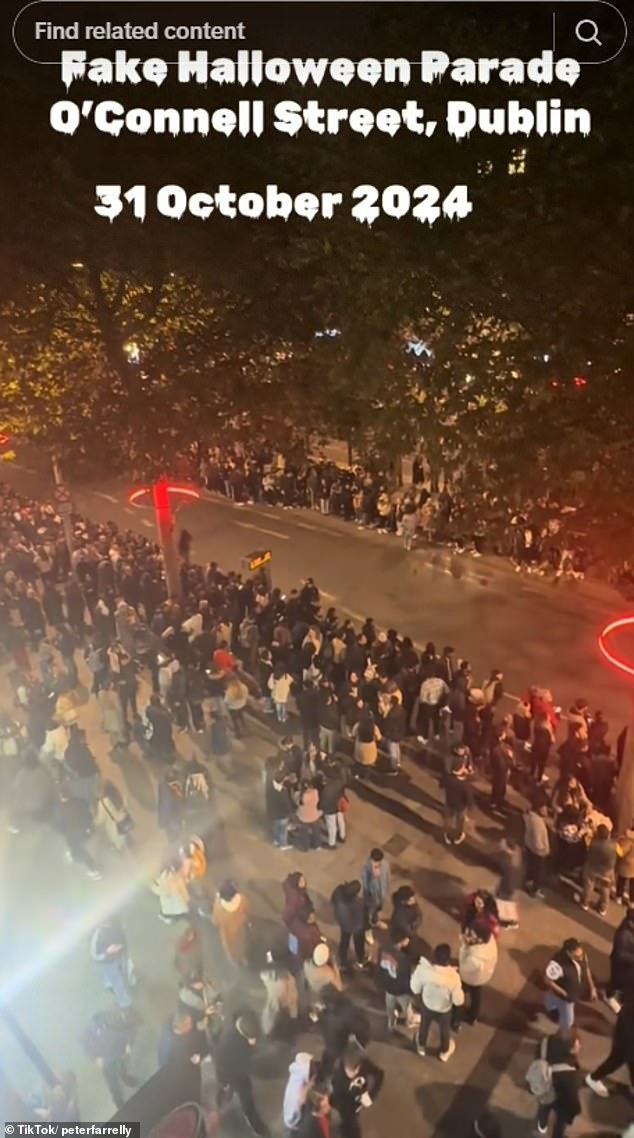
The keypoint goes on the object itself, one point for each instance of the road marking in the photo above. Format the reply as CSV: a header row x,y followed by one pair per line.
x,y
146,522
307,525
330,596
129,510
106,497
261,529
26,469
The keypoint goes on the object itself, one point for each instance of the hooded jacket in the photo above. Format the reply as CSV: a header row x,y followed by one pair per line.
x,y
438,985
349,908
477,962
296,1088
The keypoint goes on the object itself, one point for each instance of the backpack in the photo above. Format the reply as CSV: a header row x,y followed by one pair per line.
x,y
540,1074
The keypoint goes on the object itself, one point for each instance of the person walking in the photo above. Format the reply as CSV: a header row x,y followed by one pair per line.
x,y
356,1084
621,962
109,949
230,915
108,1042
560,1052
568,980
621,1052
281,994
233,1062
438,984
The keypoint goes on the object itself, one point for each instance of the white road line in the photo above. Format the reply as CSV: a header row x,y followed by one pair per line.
x,y
26,469
129,510
330,596
315,529
106,497
260,529
146,522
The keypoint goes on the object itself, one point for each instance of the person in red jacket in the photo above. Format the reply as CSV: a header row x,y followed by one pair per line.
x,y
299,917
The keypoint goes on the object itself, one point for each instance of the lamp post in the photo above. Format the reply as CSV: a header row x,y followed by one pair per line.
x,y
625,783
160,493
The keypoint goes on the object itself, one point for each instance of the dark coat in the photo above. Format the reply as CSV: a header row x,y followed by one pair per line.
x,y
349,909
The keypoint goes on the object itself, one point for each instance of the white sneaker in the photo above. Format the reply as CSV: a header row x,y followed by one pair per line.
x,y
597,1086
446,1055
542,1128
420,1051
613,1003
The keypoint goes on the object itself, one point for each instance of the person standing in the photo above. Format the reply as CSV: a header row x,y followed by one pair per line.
x,y
598,870
537,847
350,915
394,731
501,759
457,801
568,980
279,804
438,984
280,684
356,1084
560,1052
394,975
332,800
376,880
233,1061
433,694
477,961
621,1053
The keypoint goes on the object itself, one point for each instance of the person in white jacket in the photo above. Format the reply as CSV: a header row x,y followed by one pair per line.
x,y
301,1075
280,684
438,984
477,961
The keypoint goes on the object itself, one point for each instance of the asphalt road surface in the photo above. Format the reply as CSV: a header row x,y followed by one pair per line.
x,y
537,632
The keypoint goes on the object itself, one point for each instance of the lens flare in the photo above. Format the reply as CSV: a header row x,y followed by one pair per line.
x,y
618,662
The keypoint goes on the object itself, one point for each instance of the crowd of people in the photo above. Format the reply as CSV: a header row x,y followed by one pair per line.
x,y
540,538
348,701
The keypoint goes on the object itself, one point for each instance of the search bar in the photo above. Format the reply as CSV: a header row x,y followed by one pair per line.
x,y
591,32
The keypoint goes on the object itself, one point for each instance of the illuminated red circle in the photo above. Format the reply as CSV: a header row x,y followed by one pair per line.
x,y
612,658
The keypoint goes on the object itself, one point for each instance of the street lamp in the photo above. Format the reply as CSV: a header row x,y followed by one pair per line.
x,y
159,494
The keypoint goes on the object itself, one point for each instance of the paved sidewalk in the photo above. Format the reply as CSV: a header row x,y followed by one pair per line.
x,y
53,988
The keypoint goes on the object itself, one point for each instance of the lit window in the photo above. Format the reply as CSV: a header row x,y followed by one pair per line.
x,y
517,162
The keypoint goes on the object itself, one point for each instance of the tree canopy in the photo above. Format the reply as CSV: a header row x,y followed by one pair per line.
x,y
132,340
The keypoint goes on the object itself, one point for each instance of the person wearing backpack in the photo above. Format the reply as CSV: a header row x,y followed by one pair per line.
x,y
553,1079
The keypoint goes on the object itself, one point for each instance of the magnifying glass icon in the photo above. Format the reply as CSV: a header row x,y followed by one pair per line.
x,y
592,27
